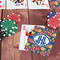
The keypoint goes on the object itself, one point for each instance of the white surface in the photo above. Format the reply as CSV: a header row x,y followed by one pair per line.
x,y
12,5
23,37
35,6
1,4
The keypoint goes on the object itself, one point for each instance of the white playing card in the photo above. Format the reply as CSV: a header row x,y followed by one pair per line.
x,y
23,37
2,4
16,4
38,4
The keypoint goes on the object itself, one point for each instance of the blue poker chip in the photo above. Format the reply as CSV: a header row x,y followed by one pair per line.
x,y
51,14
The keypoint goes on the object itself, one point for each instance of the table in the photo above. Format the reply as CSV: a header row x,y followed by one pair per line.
x,y
10,45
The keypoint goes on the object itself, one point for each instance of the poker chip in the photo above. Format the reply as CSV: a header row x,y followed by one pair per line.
x,y
54,22
0,24
9,27
51,14
2,34
13,16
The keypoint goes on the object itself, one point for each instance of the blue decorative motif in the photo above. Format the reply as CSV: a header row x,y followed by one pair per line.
x,y
41,40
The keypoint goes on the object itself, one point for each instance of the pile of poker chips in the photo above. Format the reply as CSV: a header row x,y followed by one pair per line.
x,y
2,33
54,3
37,1
41,41
8,25
53,20
17,2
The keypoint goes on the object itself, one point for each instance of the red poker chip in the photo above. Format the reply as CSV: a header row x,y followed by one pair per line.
x,y
4,18
54,22
15,17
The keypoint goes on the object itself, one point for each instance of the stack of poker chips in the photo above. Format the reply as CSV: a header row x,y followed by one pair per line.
x,y
8,26
2,33
17,2
40,41
37,1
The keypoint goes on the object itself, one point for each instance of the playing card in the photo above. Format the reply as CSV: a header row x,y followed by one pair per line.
x,y
41,41
16,4
38,4
24,37
2,4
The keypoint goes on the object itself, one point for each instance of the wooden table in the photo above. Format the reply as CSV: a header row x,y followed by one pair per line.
x,y
10,45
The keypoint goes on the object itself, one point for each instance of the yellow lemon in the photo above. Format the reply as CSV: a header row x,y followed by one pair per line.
x,y
27,44
32,45
52,38
48,50
54,34
33,42
50,46
39,30
56,3
42,48
32,32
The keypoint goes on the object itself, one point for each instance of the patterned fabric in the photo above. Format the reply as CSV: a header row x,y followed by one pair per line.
x,y
54,3
41,41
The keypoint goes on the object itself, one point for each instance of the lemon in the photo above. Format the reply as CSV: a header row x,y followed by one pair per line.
x,y
42,48
39,30
32,32
52,38
48,50
32,45
27,44
33,42
56,3
54,34
50,46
